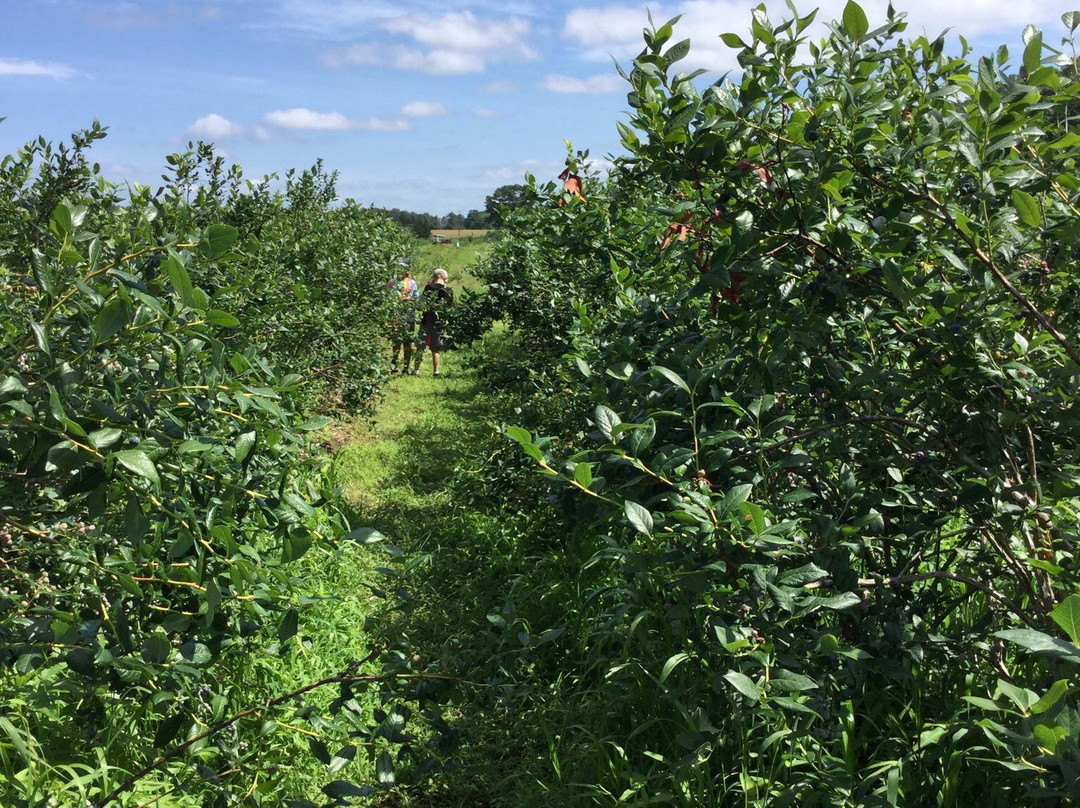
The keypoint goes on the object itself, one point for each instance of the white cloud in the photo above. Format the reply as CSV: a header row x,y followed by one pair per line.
x,y
214,127
484,112
603,32
32,67
462,31
424,109
455,43
603,83
300,118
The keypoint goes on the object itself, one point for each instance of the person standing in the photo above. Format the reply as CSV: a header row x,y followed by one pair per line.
x,y
435,299
403,318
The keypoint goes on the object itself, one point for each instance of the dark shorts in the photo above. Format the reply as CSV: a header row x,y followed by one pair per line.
x,y
430,334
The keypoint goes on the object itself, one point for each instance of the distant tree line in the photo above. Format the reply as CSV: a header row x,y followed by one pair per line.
x,y
423,223
503,197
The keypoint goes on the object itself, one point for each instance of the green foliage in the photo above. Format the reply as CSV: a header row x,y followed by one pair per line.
x,y
825,318
502,200
311,276
159,491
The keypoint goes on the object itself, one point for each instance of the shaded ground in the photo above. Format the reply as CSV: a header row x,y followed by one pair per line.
x,y
410,474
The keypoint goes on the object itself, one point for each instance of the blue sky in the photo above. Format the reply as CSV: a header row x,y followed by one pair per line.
x,y
422,105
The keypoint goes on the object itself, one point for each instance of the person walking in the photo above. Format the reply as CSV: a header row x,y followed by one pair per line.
x,y
403,318
435,299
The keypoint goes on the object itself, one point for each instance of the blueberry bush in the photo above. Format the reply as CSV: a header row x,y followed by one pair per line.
x,y
163,357
825,318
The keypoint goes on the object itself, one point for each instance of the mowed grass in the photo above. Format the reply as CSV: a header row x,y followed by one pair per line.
x,y
380,467
408,474
456,258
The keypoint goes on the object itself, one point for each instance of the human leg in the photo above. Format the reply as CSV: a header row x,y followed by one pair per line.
x,y
422,341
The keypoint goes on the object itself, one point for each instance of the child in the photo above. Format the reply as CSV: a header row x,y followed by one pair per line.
x,y
403,320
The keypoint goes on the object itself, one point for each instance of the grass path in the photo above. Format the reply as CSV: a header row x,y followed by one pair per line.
x,y
405,474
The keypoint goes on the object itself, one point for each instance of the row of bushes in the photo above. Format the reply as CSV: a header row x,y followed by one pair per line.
x,y
805,363
165,356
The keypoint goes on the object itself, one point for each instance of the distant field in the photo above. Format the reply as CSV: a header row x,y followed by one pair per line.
x,y
456,258
460,234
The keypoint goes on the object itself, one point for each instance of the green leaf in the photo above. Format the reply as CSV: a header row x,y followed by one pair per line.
x,y
677,51
104,438
343,788
733,41
364,535
754,515
1067,141
983,704
10,385
318,422
761,404
522,436
1027,208
1067,615
1039,643
736,497
138,462
583,474
244,444
180,280
842,601
213,599
218,239
80,660
1071,20
606,420
790,682
221,318
744,684
56,407
156,649
384,769
855,23
1049,737
1033,53
288,626
167,730
639,517
672,377
112,319
1051,697
672,663
800,576
61,219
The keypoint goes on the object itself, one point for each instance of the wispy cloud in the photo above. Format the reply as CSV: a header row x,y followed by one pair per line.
x,y
128,15
424,109
214,127
484,112
33,67
300,118
400,57
501,86
602,83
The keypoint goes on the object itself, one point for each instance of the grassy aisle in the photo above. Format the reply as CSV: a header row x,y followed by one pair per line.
x,y
408,475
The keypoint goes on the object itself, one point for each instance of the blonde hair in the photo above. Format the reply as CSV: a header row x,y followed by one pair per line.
x,y
441,275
